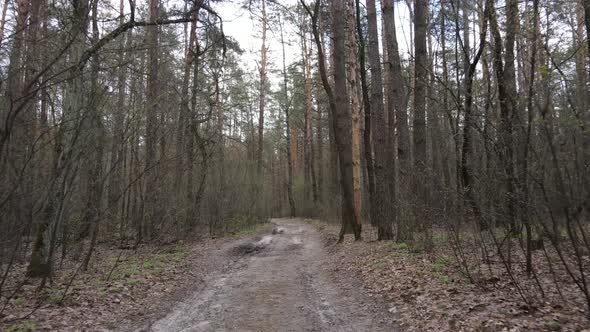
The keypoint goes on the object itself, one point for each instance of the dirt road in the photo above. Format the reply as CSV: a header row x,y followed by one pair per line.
x,y
275,283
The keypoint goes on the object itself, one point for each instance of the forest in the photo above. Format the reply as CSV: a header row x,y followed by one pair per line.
x,y
450,134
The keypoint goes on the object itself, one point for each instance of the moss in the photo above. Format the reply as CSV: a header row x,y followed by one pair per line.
x,y
381,263
24,326
37,267
115,290
419,247
399,246
254,229
439,237
18,301
440,264
445,279
53,296
131,282
126,269
554,326
176,254
102,292
148,264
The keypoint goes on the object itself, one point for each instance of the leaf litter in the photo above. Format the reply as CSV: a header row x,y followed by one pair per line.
x,y
425,291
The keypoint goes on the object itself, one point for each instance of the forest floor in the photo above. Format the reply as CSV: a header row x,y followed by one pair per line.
x,y
120,285
425,291
270,278
287,275
276,282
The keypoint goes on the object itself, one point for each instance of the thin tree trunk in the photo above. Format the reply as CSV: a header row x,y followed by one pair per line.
x,y
184,139
262,92
422,176
367,110
399,134
448,178
292,210
505,74
382,209
307,126
530,118
152,208
397,108
467,176
92,214
51,215
3,20
320,142
117,146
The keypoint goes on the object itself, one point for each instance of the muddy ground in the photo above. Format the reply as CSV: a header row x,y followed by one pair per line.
x,y
271,282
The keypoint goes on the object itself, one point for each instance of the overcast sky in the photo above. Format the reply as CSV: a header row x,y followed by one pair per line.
x,y
241,25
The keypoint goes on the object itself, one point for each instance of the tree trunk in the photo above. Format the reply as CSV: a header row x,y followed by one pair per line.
x,y
262,93
356,112
292,210
399,135
339,107
307,127
3,20
586,113
320,141
467,176
152,208
51,215
397,108
421,173
506,77
184,138
382,209
93,209
368,147
117,146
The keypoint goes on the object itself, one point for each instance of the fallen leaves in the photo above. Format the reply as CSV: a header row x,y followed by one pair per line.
x,y
99,300
426,291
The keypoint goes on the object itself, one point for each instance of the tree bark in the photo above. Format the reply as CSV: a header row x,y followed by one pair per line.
x,y
397,106
355,107
152,208
262,93
184,139
292,210
93,209
320,141
339,107
3,20
506,78
367,134
307,125
467,176
52,210
421,173
381,212
399,134
117,145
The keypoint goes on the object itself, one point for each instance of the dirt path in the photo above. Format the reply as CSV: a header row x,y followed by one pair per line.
x,y
276,284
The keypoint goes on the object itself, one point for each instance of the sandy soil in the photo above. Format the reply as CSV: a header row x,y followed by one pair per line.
x,y
273,282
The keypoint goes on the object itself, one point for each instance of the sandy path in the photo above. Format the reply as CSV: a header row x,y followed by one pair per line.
x,y
278,284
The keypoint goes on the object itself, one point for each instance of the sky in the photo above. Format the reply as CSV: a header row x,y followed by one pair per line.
x,y
240,24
